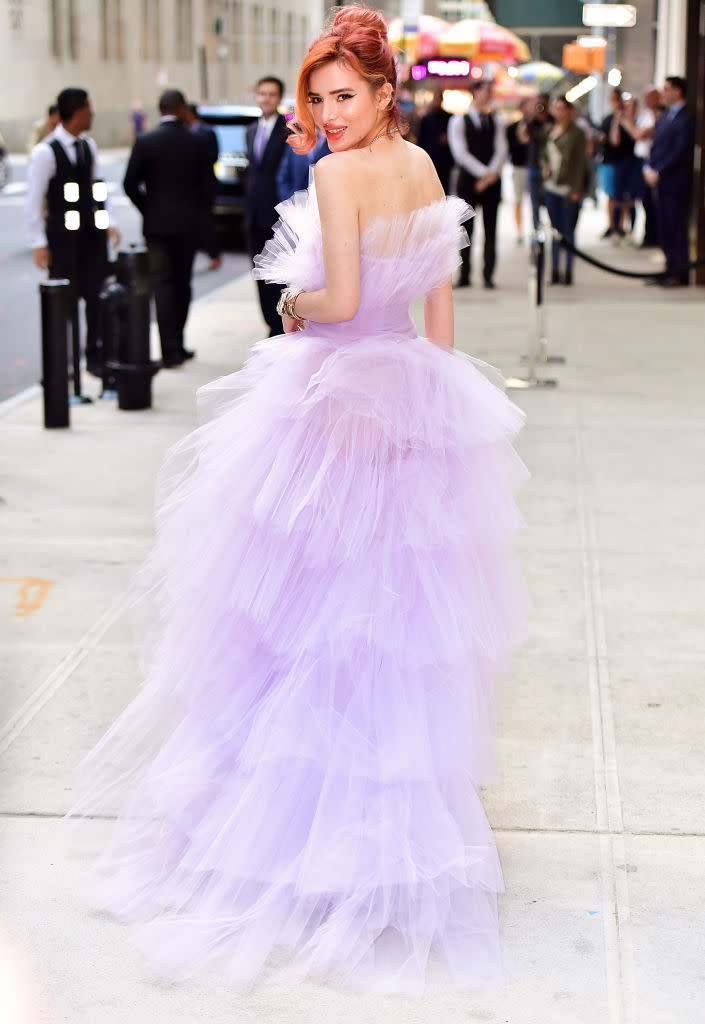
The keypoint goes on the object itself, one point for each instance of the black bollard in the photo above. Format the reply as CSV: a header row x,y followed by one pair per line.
x,y
112,327
55,299
133,369
133,275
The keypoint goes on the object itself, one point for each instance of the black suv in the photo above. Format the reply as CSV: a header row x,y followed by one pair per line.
x,y
230,125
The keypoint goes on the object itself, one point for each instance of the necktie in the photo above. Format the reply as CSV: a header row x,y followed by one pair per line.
x,y
80,156
260,142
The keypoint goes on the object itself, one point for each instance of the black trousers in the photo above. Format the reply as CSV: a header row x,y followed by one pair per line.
x,y
651,231
208,240
170,266
83,259
268,293
488,202
673,207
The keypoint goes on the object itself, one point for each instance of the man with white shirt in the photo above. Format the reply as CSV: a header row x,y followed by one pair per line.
x,y
266,142
478,144
67,157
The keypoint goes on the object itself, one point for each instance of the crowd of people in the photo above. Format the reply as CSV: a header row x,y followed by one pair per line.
x,y
638,156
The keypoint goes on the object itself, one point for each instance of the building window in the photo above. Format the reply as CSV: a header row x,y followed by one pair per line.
x,y
257,23
151,30
73,30
55,28
184,29
105,29
119,22
289,38
237,31
273,36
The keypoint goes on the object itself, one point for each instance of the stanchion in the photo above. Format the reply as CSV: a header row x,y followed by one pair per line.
x,y
537,343
55,299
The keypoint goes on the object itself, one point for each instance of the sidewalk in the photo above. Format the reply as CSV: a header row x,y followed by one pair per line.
x,y
598,807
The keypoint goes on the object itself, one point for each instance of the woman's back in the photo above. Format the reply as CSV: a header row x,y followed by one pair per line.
x,y
388,179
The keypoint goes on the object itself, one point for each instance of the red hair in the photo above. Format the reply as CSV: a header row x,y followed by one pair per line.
x,y
357,38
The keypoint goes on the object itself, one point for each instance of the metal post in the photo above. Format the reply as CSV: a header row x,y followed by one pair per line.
x,y
133,370
54,297
537,341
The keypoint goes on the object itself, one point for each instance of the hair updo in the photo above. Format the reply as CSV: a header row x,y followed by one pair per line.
x,y
356,37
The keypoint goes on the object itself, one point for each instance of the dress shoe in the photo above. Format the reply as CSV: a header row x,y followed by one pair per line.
x,y
607,233
568,277
214,262
673,282
651,282
488,284
462,283
555,277
171,362
187,353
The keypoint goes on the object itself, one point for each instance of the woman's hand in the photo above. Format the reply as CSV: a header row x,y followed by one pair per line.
x,y
291,324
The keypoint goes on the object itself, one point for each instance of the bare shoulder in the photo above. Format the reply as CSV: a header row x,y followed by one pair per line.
x,y
335,178
334,167
421,165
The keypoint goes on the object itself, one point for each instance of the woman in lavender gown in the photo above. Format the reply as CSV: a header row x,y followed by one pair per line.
x,y
331,592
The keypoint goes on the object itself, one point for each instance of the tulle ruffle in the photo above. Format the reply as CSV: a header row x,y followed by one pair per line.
x,y
331,592
402,256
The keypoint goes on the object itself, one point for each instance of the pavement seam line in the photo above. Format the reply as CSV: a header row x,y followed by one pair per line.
x,y
55,680
619,953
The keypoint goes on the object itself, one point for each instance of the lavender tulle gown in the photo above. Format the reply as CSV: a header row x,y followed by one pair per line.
x,y
331,591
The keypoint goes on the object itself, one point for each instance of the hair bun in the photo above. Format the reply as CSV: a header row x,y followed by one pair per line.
x,y
373,21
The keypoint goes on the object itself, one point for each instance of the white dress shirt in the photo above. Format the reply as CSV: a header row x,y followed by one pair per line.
x,y
642,147
41,169
459,145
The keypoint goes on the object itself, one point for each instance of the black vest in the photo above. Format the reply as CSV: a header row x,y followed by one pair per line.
x,y
480,140
57,205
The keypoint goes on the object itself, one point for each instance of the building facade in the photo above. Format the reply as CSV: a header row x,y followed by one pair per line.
x,y
126,52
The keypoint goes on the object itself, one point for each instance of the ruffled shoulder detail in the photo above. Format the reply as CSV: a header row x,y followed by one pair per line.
x,y
293,255
409,254
412,253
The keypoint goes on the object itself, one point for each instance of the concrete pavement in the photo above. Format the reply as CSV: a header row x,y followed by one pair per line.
x,y
598,807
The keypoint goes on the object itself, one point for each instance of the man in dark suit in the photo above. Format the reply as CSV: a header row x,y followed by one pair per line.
x,y
479,147
169,179
433,138
208,241
669,172
266,141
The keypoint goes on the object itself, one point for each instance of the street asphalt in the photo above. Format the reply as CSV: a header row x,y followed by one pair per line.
x,y
597,807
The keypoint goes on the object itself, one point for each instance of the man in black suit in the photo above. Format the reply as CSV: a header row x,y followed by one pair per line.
x,y
479,147
433,138
669,173
208,241
266,139
169,179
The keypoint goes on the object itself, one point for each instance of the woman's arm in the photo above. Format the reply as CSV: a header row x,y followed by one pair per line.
x,y
438,315
339,299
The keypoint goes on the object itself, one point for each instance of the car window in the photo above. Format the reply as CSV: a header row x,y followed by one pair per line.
x,y
231,138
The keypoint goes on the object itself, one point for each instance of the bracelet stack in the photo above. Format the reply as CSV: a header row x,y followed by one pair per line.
x,y
287,303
